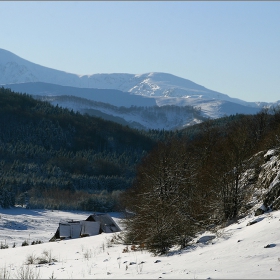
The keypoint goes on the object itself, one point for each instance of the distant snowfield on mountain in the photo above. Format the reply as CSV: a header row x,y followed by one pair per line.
x,y
89,100
238,251
120,89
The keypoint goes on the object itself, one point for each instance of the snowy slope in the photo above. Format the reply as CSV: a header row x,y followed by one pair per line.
x,y
14,69
245,249
235,252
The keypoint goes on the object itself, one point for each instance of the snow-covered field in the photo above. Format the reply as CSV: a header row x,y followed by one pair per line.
x,y
237,251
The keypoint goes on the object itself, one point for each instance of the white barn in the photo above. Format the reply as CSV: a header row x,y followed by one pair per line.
x,y
93,225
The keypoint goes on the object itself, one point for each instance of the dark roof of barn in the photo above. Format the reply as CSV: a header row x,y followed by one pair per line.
x,y
104,219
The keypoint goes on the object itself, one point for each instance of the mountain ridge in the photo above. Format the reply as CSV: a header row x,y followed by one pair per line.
x,y
120,89
86,100
147,84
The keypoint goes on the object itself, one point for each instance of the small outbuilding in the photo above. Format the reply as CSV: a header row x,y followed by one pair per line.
x,y
93,225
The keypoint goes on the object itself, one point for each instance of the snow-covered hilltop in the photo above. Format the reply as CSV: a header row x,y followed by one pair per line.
x,y
14,70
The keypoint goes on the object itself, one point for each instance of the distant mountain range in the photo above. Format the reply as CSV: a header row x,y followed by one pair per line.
x,y
103,94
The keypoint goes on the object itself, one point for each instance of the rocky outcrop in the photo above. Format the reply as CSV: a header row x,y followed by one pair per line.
x,y
269,180
261,210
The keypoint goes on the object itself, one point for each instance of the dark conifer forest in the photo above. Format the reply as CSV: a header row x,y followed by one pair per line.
x,y
55,158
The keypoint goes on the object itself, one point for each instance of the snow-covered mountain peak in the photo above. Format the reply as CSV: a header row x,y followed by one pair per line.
x,y
119,89
14,69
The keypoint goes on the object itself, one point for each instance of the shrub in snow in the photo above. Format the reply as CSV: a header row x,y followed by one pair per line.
x,y
25,243
36,242
4,246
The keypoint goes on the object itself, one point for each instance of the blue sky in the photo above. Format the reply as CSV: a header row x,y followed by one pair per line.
x,y
230,47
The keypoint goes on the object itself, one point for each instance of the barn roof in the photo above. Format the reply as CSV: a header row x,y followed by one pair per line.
x,y
105,221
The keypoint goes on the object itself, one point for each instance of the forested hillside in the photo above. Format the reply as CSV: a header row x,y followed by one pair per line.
x,y
213,173
168,117
55,158
177,182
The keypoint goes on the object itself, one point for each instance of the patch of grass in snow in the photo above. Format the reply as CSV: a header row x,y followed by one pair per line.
x,y
117,238
52,276
88,254
27,272
31,259
46,257
5,273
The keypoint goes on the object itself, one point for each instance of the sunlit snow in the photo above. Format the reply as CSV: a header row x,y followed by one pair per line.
x,y
235,252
